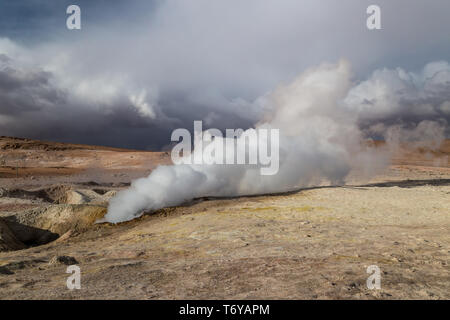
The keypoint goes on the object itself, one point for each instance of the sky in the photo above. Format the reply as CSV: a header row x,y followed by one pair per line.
x,y
137,70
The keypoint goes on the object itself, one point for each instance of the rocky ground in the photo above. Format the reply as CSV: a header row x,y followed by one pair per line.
x,y
314,243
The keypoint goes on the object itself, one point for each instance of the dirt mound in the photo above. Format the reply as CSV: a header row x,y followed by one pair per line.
x,y
37,217
87,196
25,194
45,224
57,193
61,194
59,218
54,194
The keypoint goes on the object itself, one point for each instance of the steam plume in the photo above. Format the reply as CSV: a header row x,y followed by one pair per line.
x,y
319,140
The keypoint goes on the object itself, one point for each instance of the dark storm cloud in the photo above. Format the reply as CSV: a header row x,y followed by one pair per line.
x,y
22,92
411,104
397,93
33,105
139,69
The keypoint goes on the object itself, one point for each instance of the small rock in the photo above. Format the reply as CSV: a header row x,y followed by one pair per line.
x,y
351,286
4,270
67,260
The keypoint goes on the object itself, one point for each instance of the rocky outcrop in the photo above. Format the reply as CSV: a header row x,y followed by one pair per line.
x,y
56,219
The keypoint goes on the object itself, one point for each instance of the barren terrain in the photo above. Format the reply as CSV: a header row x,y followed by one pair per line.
x,y
313,243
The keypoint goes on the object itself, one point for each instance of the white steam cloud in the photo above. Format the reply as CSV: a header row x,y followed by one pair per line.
x,y
324,123
319,140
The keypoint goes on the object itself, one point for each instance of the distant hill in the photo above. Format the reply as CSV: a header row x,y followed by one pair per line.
x,y
14,143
